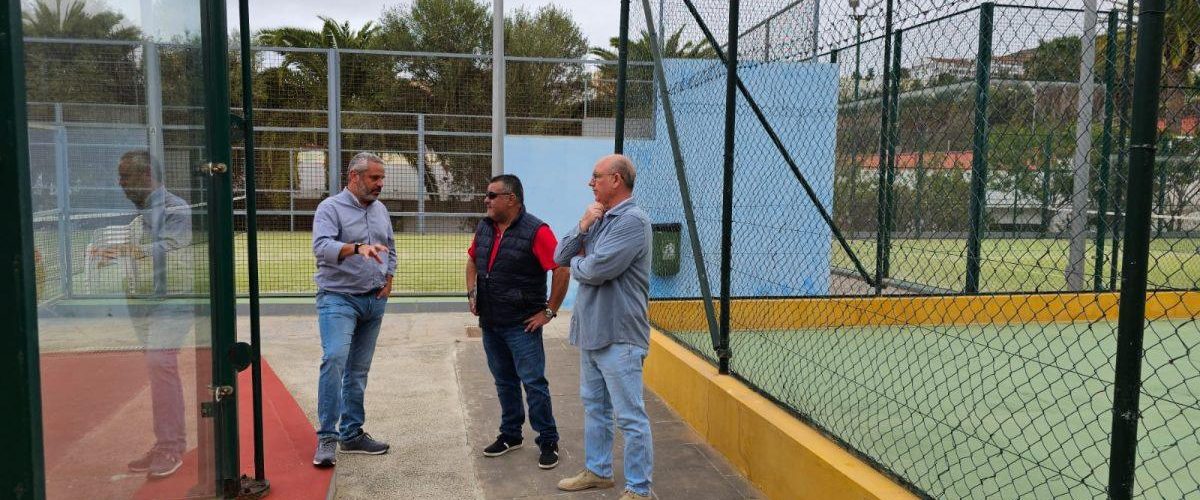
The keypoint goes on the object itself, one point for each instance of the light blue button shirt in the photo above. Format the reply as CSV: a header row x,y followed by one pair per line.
x,y
612,301
343,219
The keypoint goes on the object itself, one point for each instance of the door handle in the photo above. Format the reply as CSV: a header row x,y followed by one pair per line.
x,y
213,168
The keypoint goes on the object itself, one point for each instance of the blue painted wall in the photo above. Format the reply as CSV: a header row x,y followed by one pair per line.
x,y
555,172
781,244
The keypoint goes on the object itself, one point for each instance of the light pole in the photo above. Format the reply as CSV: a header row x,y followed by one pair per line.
x,y
858,17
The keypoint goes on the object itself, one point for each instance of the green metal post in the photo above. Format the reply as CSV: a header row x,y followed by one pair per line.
x,y
731,72
920,191
1122,136
979,167
892,139
22,470
260,482
1110,72
1132,320
884,139
622,77
221,255
1047,163
1160,193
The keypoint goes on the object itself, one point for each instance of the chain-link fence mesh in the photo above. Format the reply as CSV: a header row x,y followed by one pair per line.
x,y
953,319
427,115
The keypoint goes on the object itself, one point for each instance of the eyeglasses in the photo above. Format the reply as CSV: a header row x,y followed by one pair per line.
x,y
597,177
491,196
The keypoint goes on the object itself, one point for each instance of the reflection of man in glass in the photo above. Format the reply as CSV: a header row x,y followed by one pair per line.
x,y
165,224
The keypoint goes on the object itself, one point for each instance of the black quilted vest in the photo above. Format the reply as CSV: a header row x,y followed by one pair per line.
x,y
515,287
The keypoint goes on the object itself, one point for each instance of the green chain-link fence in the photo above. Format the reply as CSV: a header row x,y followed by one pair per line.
x,y
929,206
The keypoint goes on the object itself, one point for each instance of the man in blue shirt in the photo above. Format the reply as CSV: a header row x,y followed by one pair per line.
x,y
609,255
356,258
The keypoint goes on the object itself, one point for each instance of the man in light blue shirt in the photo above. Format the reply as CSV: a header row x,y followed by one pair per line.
x,y
356,258
609,255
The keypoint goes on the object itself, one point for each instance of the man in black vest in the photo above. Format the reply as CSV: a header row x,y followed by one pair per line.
x,y
506,286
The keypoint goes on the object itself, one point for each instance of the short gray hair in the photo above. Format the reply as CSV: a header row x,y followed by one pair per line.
x,y
361,161
621,164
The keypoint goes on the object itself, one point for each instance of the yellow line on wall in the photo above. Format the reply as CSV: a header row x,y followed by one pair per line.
x,y
781,314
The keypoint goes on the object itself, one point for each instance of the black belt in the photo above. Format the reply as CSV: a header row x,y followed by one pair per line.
x,y
364,294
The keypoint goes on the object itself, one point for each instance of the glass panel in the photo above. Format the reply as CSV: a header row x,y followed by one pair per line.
x,y
116,132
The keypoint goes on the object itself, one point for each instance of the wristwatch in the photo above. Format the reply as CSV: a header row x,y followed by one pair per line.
x,y
549,313
356,247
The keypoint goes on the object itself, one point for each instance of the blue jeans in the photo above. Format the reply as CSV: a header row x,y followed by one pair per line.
x,y
162,327
349,327
516,357
610,379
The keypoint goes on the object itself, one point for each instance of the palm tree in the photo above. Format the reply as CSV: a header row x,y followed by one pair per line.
x,y
70,19
674,47
64,72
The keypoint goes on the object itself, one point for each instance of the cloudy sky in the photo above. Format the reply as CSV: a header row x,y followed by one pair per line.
x,y
599,19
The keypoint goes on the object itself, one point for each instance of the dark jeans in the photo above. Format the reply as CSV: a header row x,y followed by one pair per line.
x,y
517,357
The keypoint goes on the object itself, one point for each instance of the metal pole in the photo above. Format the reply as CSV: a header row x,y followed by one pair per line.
x,y
685,195
882,197
1048,159
858,18
63,190
816,37
1132,320
622,77
421,187
893,118
767,41
919,191
24,471
731,61
1122,136
1110,70
1081,163
499,129
291,190
252,245
334,88
154,106
979,166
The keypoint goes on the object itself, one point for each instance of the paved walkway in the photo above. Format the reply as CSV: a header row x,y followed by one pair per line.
x,y
430,395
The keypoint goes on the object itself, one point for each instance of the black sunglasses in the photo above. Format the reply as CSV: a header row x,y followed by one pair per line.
x,y
491,196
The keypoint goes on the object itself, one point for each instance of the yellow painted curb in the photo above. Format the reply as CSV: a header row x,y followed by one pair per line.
x,y
782,456
787,314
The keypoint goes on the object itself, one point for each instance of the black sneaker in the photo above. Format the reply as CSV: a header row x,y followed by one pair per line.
x,y
326,454
500,447
364,444
549,457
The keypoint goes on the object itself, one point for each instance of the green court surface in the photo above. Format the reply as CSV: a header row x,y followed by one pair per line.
x,y
978,410
1020,265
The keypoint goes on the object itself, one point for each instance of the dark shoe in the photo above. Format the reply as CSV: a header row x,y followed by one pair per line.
x,y
364,444
549,457
142,464
500,447
326,455
164,464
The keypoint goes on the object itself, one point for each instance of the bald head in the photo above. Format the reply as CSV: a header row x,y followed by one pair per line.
x,y
622,165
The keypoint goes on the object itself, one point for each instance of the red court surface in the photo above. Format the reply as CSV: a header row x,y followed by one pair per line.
x,y
96,417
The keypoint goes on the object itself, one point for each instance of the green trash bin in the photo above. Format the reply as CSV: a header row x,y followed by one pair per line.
x,y
665,259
